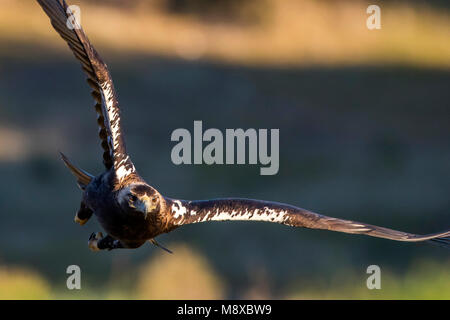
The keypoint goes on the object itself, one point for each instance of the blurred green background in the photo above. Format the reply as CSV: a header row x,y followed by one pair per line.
x,y
364,131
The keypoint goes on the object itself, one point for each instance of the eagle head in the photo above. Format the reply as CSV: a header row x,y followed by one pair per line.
x,y
140,198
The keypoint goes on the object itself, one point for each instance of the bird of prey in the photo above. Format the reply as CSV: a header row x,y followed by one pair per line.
x,y
131,211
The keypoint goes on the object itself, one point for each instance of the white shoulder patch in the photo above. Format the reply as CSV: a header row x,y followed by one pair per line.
x,y
113,117
122,165
178,210
266,214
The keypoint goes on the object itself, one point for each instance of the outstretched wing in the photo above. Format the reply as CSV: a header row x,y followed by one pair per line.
x,y
186,212
99,79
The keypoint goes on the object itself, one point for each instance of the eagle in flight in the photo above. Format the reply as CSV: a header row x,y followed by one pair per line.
x,y
131,211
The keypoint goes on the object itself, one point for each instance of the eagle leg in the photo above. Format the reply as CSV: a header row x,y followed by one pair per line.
x,y
97,242
83,214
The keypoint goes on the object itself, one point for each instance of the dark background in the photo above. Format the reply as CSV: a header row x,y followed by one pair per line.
x,y
364,141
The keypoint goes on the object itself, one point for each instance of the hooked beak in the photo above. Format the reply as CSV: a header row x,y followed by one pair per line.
x,y
146,206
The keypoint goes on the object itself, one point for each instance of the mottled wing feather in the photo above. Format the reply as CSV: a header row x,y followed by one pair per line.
x,y
99,79
186,212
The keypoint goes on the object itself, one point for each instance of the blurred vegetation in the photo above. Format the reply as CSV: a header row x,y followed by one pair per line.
x,y
424,280
18,283
250,32
363,118
186,275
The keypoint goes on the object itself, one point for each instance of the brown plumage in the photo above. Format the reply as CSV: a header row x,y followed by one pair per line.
x,y
133,212
95,69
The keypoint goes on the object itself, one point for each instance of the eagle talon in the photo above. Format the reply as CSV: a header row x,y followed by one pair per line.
x,y
81,222
83,214
93,241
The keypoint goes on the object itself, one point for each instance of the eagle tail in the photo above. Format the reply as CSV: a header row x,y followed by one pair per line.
x,y
83,178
